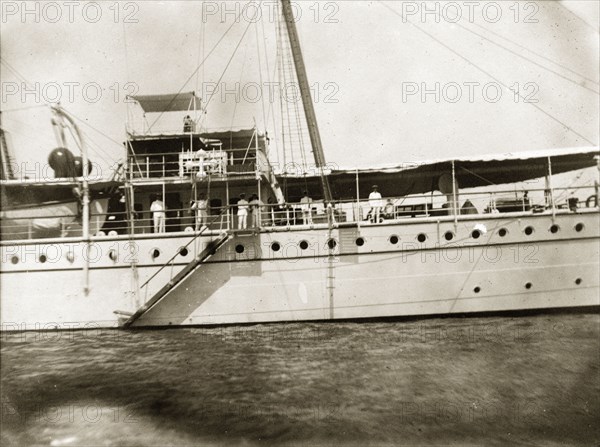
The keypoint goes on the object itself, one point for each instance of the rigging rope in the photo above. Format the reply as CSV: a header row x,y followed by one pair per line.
x,y
552,117
564,67
528,59
199,66
228,63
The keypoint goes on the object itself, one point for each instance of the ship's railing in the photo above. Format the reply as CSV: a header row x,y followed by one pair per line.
x,y
185,220
186,164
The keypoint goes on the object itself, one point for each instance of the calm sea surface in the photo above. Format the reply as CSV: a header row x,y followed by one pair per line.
x,y
529,380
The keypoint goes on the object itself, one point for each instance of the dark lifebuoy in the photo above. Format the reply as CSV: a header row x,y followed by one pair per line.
x,y
589,200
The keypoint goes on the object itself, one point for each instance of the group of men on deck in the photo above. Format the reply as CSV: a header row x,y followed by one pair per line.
x,y
252,208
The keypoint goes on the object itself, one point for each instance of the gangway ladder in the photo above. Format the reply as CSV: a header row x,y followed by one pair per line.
x,y
204,256
8,162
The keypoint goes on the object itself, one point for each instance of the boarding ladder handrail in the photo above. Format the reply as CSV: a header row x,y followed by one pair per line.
x,y
209,251
170,261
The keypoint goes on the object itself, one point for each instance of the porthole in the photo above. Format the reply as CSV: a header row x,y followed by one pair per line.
x,y
554,229
239,249
394,239
502,232
303,245
477,289
528,286
476,234
14,259
422,237
579,227
155,253
449,235
112,254
578,281
331,243
275,246
529,231
183,251
43,258
360,242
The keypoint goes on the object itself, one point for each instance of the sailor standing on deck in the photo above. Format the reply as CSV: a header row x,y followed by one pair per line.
x,y
306,208
256,208
201,208
158,215
375,203
188,124
242,212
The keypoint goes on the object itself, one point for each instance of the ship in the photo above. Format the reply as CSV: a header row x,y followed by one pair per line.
x,y
201,229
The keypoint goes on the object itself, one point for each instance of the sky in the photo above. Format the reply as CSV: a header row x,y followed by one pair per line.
x,y
369,63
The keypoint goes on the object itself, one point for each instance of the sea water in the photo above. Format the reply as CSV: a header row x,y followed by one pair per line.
x,y
500,380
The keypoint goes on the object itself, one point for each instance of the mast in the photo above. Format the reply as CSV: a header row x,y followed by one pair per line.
x,y
309,111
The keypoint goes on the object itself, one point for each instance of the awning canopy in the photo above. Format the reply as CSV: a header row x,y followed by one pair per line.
x,y
166,103
423,177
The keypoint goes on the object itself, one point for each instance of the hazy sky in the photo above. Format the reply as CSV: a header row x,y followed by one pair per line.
x,y
361,57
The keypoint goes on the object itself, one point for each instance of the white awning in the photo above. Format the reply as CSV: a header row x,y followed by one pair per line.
x,y
166,103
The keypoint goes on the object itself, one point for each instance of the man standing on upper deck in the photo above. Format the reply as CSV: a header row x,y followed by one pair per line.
x,y
256,208
158,214
306,208
188,124
375,203
242,212
200,206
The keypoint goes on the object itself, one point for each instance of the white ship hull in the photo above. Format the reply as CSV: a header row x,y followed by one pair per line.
x,y
378,279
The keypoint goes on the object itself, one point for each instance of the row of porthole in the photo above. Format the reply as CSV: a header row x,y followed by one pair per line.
x,y
112,254
331,243
502,232
422,237
529,285
276,246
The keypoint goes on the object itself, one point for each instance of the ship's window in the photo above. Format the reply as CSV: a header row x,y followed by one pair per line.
x,y
394,239
579,227
449,235
528,285
155,253
239,248
360,242
502,232
529,231
43,258
112,255
422,237
331,243
183,251
554,229
578,281
275,246
477,289
475,234
303,245
14,259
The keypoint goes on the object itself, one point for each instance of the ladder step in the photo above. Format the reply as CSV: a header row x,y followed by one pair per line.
x,y
207,253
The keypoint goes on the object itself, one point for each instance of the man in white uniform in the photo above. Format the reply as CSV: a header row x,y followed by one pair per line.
x,y
306,207
200,206
375,203
242,212
158,215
